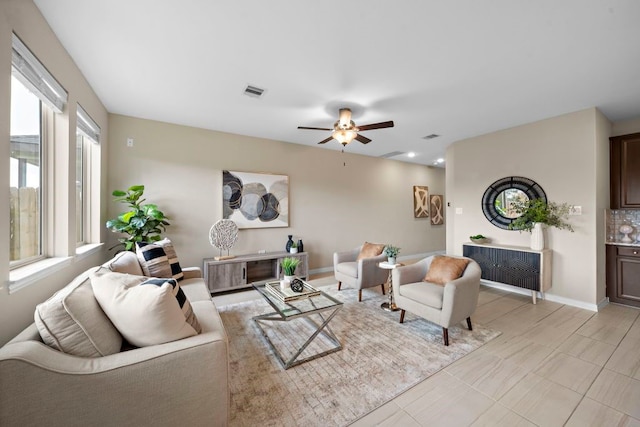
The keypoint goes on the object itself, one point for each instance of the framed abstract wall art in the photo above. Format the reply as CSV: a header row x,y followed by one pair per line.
x,y
436,202
420,201
255,200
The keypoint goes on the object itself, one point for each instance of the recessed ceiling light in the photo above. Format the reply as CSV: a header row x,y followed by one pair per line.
x,y
411,154
440,160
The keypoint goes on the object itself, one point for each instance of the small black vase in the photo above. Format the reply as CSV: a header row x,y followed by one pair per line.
x,y
289,242
300,246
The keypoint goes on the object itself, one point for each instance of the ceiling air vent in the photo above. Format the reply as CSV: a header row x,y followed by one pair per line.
x,y
433,135
253,91
392,154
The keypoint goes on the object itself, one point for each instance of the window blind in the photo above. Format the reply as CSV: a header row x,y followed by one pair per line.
x,y
31,73
87,126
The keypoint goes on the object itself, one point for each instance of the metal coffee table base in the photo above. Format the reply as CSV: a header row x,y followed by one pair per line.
x,y
321,328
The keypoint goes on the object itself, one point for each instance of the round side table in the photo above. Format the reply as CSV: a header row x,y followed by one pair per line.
x,y
391,305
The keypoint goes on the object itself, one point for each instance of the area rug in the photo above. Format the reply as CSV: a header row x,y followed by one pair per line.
x,y
380,359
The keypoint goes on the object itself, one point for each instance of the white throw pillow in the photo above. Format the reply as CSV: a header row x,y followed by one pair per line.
x,y
144,315
72,322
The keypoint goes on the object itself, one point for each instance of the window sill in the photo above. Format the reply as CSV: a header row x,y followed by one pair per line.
x,y
88,249
29,274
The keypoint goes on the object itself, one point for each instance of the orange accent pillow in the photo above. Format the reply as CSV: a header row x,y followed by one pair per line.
x,y
444,269
370,250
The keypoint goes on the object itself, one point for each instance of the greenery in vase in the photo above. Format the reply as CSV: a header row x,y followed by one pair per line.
x,y
289,265
537,210
391,251
142,223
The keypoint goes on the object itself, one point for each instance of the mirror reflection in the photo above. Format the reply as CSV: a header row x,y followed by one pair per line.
x,y
505,201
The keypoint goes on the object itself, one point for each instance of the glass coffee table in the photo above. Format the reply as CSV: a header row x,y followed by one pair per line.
x,y
316,310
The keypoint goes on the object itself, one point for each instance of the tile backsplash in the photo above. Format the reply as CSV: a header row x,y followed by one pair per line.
x,y
615,219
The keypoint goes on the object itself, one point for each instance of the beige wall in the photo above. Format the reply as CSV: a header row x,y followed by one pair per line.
x,y
626,127
568,157
332,206
22,17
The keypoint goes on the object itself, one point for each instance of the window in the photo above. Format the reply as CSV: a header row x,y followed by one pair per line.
x,y
26,175
35,96
87,136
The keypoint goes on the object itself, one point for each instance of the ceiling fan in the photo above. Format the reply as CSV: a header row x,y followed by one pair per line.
x,y
345,130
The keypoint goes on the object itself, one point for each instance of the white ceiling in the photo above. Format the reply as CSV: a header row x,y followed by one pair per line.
x,y
454,68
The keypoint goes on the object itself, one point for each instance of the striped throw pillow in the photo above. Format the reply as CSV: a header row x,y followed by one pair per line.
x,y
184,303
159,259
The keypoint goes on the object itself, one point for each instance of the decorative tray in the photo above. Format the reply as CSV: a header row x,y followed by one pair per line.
x,y
288,294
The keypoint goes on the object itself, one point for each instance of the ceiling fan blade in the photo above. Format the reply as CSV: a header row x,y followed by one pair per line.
x,y
324,141
363,139
380,125
304,127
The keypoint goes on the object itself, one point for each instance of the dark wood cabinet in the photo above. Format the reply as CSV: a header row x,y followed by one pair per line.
x,y
623,274
625,171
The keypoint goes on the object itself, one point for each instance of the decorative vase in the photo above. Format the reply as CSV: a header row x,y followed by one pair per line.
x,y
391,260
626,229
537,237
289,242
300,246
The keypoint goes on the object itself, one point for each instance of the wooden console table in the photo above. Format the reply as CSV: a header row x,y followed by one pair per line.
x,y
513,265
244,270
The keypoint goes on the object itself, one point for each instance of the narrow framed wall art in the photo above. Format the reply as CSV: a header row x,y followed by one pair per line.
x,y
420,201
436,202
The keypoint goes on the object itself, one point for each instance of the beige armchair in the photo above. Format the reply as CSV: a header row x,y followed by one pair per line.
x,y
359,274
445,305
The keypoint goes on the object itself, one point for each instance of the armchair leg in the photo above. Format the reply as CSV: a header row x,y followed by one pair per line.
x,y
469,323
339,285
360,295
382,286
445,336
402,315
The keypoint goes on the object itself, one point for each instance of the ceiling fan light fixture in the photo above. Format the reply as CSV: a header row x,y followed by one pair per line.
x,y
344,136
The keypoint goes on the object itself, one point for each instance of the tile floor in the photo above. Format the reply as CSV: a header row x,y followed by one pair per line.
x,y
553,365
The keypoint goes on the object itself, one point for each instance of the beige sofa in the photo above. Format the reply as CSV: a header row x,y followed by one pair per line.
x,y
183,382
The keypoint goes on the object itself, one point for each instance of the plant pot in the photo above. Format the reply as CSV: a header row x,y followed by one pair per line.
x,y
391,260
293,250
537,237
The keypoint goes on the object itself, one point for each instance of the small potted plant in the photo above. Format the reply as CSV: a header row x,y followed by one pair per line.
x,y
289,268
391,252
294,248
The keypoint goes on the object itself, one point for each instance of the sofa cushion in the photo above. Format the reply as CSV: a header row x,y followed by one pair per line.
x,y
72,322
369,250
159,259
425,293
144,315
444,269
348,268
125,262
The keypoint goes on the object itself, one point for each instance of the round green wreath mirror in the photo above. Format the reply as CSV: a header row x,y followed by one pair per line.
x,y
498,199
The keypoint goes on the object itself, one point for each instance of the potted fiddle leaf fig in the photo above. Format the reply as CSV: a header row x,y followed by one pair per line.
x,y
141,222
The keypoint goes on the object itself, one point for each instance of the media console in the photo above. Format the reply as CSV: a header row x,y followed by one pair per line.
x,y
244,270
513,265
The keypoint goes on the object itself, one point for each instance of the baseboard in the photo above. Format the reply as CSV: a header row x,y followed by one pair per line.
x,y
400,259
547,296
